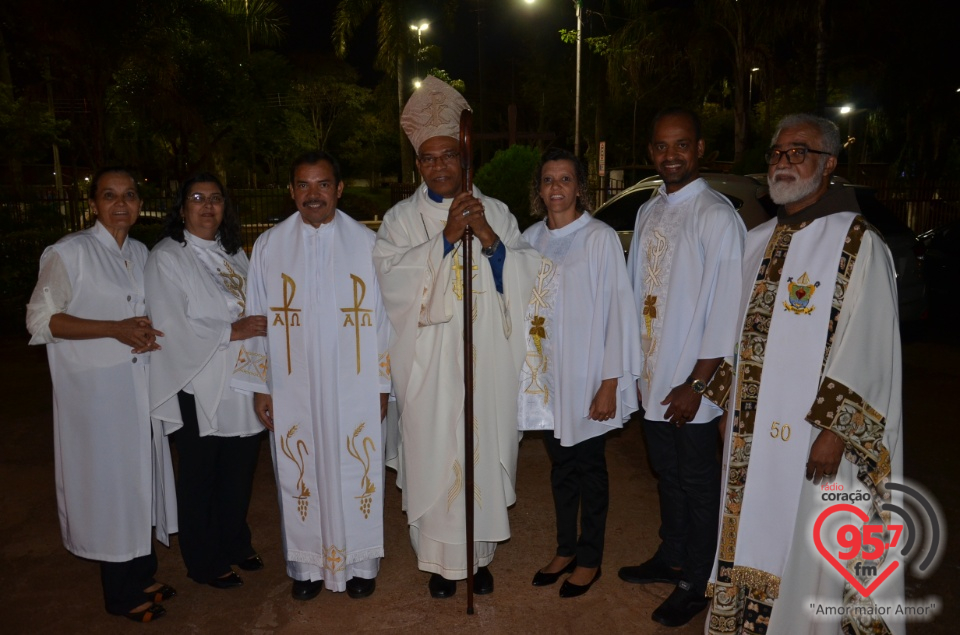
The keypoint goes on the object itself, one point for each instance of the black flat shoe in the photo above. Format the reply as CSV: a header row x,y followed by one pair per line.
x,y
440,587
164,593
483,581
153,612
253,563
546,579
681,606
230,581
306,589
361,587
570,590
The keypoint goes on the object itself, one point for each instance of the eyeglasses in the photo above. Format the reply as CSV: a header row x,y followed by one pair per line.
x,y
430,160
201,199
794,155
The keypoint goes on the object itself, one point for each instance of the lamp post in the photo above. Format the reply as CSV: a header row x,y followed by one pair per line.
x,y
576,134
851,111
750,92
419,28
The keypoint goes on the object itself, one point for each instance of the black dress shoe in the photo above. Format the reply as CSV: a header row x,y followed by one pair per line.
x,y
253,563
571,590
440,587
361,587
230,581
653,570
306,589
483,581
546,579
680,607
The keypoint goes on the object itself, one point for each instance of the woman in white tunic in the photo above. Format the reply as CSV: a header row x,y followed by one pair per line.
x,y
196,280
579,377
88,308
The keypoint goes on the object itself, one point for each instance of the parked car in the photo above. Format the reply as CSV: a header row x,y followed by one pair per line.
x,y
749,197
940,262
745,194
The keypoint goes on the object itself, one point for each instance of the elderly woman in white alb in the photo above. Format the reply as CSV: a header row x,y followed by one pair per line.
x,y
111,472
196,281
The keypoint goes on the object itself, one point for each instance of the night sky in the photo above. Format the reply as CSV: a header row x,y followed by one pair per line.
x,y
509,29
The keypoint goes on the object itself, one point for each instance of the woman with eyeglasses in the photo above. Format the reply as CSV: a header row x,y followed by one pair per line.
x,y
88,309
196,280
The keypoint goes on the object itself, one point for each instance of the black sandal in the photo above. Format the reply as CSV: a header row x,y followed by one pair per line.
x,y
165,592
153,612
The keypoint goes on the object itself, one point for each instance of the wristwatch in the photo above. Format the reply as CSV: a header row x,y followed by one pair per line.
x,y
492,249
698,385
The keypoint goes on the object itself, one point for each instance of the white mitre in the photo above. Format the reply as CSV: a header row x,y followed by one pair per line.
x,y
433,111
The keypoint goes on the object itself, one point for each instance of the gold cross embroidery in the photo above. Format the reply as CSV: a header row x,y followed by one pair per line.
x,y
458,277
287,320
357,316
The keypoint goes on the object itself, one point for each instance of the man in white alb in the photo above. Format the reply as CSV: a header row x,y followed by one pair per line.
x,y
815,410
419,260
322,389
685,267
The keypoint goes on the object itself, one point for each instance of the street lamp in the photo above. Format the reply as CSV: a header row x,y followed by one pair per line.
x,y
750,92
419,28
576,132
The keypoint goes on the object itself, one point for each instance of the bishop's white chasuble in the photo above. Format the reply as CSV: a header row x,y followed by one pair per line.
x,y
423,291
326,366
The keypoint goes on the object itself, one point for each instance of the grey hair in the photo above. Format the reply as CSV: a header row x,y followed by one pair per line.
x,y
829,132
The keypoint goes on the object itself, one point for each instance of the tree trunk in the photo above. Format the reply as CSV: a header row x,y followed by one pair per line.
x,y
406,153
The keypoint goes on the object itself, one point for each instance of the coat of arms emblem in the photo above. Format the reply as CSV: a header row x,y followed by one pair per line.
x,y
799,295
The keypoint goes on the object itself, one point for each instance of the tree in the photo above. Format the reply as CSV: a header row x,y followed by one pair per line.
x,y
325,98
394,42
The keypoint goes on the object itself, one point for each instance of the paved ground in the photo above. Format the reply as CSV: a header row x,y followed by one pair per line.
x,y
44,589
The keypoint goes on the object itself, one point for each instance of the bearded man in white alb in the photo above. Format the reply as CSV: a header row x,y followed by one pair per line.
x,y
323,392
814,409
419,260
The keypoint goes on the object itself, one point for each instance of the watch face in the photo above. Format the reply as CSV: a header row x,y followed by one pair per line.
x,y
698,386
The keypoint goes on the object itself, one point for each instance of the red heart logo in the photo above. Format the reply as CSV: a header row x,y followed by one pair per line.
x,y
848,576
800,293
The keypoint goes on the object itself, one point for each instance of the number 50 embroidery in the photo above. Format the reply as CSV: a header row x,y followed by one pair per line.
x,y
780,431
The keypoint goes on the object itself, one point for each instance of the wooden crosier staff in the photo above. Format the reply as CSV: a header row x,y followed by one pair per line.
x,y
466,154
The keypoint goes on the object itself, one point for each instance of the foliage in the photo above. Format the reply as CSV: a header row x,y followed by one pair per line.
x,y
507,177
27,131
323,99
444,76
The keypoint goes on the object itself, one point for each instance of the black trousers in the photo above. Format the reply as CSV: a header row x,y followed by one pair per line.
x,y
123,582
214,482
685,460
578,477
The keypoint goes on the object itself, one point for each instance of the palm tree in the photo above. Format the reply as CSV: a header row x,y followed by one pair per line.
x,y
393,38
393,43
660,47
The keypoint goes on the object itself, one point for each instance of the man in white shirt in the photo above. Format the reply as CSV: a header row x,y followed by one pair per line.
x,y
419,261
685,264
323,391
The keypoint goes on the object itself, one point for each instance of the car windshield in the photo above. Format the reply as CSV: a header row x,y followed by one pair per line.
x,y
621,213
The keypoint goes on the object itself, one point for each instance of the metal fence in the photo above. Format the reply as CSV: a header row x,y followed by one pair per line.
x,y
921,204
258,209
